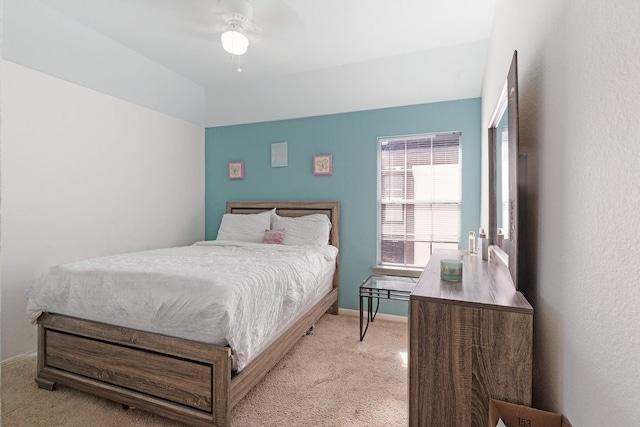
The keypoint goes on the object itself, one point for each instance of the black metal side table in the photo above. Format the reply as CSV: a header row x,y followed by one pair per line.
x,y
386,287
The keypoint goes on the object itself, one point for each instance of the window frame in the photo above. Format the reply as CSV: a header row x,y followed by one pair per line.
x,y
404,268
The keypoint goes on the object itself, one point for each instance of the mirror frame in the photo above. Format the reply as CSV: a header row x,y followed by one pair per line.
x,y
511,251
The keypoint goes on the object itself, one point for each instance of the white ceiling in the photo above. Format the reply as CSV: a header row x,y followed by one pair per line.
x,y
297,38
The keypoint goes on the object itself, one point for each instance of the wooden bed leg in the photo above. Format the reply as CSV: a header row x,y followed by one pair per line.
x,y
334,308
45,384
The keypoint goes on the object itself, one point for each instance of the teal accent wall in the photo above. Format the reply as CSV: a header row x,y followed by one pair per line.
x,y
352,139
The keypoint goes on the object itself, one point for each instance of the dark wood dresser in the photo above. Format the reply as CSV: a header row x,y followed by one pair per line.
x,y
468,341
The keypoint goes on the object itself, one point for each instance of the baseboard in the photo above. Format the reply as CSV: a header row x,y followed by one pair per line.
x,y
18,358
381,316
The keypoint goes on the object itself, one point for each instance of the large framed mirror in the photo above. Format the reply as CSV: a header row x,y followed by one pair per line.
x,y
507,177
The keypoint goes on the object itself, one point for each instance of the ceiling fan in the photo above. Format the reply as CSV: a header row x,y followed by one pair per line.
x,y
238,22
233,21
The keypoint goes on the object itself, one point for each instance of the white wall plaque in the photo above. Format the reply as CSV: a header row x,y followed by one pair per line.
x,y
279,154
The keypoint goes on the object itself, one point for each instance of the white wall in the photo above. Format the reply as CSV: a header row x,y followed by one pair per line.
x,y
579,75
42,38
352,87
85,174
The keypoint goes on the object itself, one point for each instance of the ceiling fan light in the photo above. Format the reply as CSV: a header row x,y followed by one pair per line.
x,y
234,42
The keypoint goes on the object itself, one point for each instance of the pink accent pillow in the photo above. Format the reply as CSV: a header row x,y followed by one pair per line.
x,y
275,237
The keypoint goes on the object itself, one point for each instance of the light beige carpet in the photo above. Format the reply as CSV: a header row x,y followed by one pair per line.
x,y
329,378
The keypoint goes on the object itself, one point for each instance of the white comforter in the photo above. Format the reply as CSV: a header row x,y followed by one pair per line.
x,y
215,292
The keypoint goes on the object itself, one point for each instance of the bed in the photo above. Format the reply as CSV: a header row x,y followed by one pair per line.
x,y
183,379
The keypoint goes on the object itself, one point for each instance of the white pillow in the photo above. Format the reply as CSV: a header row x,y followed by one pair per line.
x,y
274,219
244,228
305,230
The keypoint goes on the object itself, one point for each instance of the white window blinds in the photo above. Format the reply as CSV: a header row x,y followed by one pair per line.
x,y
419,194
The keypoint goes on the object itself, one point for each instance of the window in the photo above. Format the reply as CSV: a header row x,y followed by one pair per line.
x,y
504,188
419,195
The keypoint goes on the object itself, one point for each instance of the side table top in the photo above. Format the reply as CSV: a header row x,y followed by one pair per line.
x,y
393,283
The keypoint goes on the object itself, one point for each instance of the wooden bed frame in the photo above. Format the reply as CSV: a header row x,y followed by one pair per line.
x,y
180,379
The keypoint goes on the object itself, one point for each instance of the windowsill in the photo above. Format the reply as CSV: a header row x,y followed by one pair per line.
x,y
397,271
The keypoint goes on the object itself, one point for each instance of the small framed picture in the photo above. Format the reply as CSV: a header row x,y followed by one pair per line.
x,y
236,170
279,155
322,164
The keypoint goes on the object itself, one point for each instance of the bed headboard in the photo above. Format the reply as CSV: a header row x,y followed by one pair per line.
x,y
330,209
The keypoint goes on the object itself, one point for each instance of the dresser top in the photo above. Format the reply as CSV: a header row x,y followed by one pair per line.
x,y
483,284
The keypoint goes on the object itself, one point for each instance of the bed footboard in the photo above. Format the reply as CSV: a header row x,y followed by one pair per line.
x,y
184,380
180,379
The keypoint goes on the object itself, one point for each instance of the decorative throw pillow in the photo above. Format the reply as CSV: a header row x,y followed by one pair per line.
x,y
274,237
